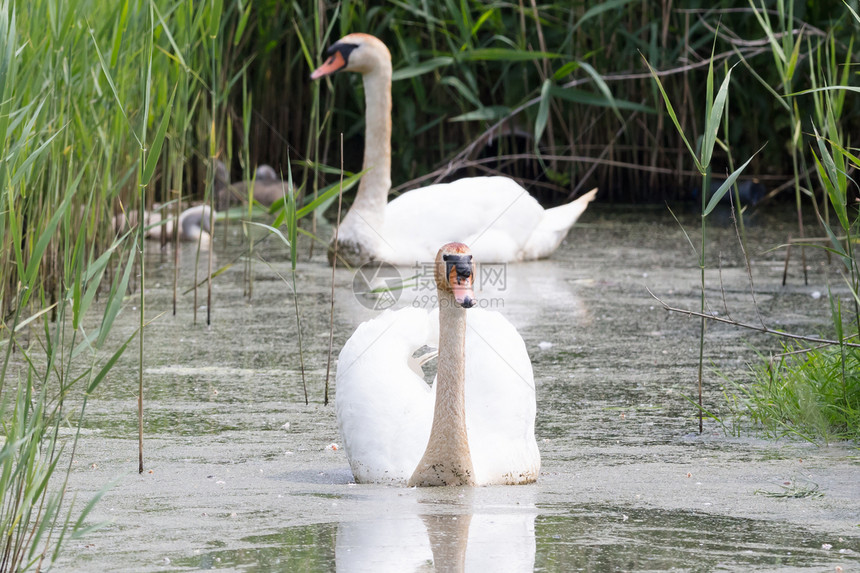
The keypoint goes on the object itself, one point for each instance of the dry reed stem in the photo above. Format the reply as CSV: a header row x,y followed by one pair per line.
x,y
762,329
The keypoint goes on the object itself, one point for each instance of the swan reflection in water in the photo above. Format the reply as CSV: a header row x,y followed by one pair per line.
x,y
487,540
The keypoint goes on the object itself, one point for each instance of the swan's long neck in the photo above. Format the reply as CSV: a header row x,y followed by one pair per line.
x,y
372,195
447,460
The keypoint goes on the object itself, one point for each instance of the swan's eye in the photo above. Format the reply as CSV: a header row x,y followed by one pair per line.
x,y
337,59
341,50
332,50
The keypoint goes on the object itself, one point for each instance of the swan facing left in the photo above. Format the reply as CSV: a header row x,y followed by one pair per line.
x,y
496,217
473,426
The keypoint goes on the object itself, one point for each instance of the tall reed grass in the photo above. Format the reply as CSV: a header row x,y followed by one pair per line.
x,y
808,391
532,89
108,108
814,392
715,107
88,92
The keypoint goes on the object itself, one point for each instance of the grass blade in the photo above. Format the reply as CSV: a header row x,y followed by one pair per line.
x,y
543,111
422,68
671,111
115,301
504,55
727,184
715,118
155,152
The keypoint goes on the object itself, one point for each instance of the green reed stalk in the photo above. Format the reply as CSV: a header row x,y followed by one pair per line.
x,y
333,267
785,58
147,163
293,228
142,251
48,200
715,106
312,145
289,215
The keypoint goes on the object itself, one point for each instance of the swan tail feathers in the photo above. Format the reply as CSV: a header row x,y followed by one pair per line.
x,y
554,227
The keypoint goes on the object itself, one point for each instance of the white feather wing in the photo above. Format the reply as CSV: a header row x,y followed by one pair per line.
x,y
500,401
384,409
493,215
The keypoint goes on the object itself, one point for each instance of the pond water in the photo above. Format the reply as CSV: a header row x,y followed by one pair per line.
x,y
242,475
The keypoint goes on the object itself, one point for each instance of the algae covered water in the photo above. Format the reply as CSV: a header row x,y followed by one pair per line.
x,y
242,475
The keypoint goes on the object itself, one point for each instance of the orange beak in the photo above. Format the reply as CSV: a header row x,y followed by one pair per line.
x,y
331,65
462,288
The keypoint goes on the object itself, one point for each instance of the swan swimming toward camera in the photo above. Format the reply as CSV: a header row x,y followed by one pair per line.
x,y
474,426
495,216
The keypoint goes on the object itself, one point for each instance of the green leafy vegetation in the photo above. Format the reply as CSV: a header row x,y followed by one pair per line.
x,y
814,392
814,395
111,108
809,392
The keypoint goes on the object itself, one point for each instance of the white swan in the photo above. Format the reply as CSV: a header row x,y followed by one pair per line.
x,y
194,224
475,425
495,216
